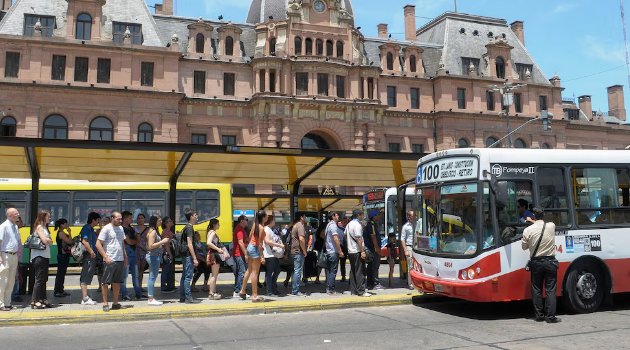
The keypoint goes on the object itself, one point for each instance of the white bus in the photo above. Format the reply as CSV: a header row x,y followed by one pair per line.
x,y
469,244
386,201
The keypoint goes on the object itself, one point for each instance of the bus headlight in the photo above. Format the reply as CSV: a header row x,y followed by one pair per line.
x,y
464,275
471,273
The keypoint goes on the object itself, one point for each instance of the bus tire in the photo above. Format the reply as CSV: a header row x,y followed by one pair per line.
x,y
584,287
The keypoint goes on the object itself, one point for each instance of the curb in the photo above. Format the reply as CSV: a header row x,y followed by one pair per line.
x,y
33,318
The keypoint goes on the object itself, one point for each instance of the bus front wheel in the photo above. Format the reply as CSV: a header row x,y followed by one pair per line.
x,y
584,287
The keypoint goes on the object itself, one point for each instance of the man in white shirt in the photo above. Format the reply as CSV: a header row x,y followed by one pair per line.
x,y
9,238
406,239
333,252
111,246
356,254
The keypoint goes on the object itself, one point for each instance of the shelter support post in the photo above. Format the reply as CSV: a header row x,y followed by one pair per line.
x,y
172,185
295,186
268,203
33,167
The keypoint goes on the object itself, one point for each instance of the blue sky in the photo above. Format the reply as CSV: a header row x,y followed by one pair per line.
x,y
574,38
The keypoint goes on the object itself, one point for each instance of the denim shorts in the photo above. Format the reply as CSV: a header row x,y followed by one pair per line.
x,y
252,251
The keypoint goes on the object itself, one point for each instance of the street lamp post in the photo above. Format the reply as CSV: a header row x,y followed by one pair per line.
x,y
507,97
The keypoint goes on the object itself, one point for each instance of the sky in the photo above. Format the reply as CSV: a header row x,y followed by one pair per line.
x,y
580,40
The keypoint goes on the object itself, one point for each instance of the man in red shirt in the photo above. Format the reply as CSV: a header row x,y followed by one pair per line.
x,y
240,240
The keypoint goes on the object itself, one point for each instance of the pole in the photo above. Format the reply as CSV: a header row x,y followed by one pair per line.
x,y
507,114
456,5
515,130
625,39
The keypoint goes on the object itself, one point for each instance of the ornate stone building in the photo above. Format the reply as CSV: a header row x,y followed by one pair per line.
x,y
298,73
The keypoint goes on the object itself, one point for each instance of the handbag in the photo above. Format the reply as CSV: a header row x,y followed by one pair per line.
x,y
166,259
369,256
78,249
224,255
322,262
34,242
529,262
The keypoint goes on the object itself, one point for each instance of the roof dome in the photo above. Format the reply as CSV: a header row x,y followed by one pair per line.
x,y
260,10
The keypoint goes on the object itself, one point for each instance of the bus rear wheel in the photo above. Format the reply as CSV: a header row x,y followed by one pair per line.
x,y
584,287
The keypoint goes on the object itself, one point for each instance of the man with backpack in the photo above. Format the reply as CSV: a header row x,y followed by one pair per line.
x,y
298,252
88,265
189,261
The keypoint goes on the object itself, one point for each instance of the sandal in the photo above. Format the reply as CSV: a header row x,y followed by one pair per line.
x,y
258,299
47,303
243,296
38,305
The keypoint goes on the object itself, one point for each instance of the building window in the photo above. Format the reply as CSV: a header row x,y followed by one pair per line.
x,y
546,146
145,133
412,63
147,74
272,47
522,69
462,143
490,141
490,100
81,69
322,84
390,61
461,98
272,80
542,102
518,143
199,43
229,46
84,27
228,140
518,107
134,29
101,129
391,96
500,64
103,70
308,43
47,22
415,98
319,47
466,61
8,127
12,65
370,92
329,48
301,83
55,127
339,49
298,45
199,82
417,148
58,68
394,147
573,114
341,86
263,81
228,84
198,139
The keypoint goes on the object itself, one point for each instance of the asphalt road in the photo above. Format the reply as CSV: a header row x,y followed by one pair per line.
x,y
433,323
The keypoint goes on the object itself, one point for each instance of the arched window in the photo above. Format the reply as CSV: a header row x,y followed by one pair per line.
x,y
309,46
298,45
329,48
490,141
313,141
546,146
520,144
272,47
463,143
412,63
145,133
8,127
229,46
339,49
319,47
84,27
55,127
101,129
199,43
390,61
500,68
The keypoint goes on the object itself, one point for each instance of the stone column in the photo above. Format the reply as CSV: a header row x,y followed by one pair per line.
x,y
371,138
358,138
365,88
257,81
272,133
286,137
331,85
267,81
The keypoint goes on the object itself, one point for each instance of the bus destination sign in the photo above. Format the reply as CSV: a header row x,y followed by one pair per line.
x,y
448,169
375,196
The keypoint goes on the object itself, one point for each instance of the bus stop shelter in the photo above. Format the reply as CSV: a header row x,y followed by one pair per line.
x,y
35,159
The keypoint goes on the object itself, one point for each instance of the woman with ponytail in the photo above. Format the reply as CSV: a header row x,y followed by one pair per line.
x,y
254,256
64,244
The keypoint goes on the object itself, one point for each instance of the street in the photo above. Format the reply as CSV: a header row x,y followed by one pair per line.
x,y
432,323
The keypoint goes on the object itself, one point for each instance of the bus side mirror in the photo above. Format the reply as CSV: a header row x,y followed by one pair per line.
x,y
501,192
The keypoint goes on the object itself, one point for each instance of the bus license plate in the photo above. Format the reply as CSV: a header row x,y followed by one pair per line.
x,y
438,288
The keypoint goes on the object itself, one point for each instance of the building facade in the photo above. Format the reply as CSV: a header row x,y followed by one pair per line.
x,y
297,73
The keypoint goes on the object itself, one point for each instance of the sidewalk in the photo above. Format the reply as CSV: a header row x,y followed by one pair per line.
x,y
70,310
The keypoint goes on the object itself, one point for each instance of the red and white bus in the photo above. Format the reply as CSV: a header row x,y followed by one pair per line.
x,y
467,243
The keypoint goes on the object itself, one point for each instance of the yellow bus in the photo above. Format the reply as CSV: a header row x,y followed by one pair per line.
x,y
74,200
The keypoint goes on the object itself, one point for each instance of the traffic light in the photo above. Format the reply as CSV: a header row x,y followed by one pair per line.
x,y
546,116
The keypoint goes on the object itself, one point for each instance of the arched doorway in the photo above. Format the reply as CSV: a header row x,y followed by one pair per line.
x,y
314,141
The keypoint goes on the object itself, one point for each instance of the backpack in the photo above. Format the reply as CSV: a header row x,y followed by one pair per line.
x,y
287,240
78,249
179,245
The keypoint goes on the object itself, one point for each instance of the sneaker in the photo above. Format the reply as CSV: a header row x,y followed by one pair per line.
x,y
298,294
116,306
379,287
273,295
238,296
126,298
141,297
168,291
366,294
155,302
554,320
192,301
106,308
88,301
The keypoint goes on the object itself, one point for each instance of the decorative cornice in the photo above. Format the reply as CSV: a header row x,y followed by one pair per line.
x,y
62,89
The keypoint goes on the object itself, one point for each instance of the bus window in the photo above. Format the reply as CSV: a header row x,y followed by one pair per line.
x,y
553,195
487,232
207,204
511,218
458,207
184,202
57,203
601,196
14,199
392,216
86,202
144,202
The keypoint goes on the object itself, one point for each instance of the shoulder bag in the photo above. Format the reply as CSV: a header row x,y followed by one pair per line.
x,y
369,256
529,262
34,242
